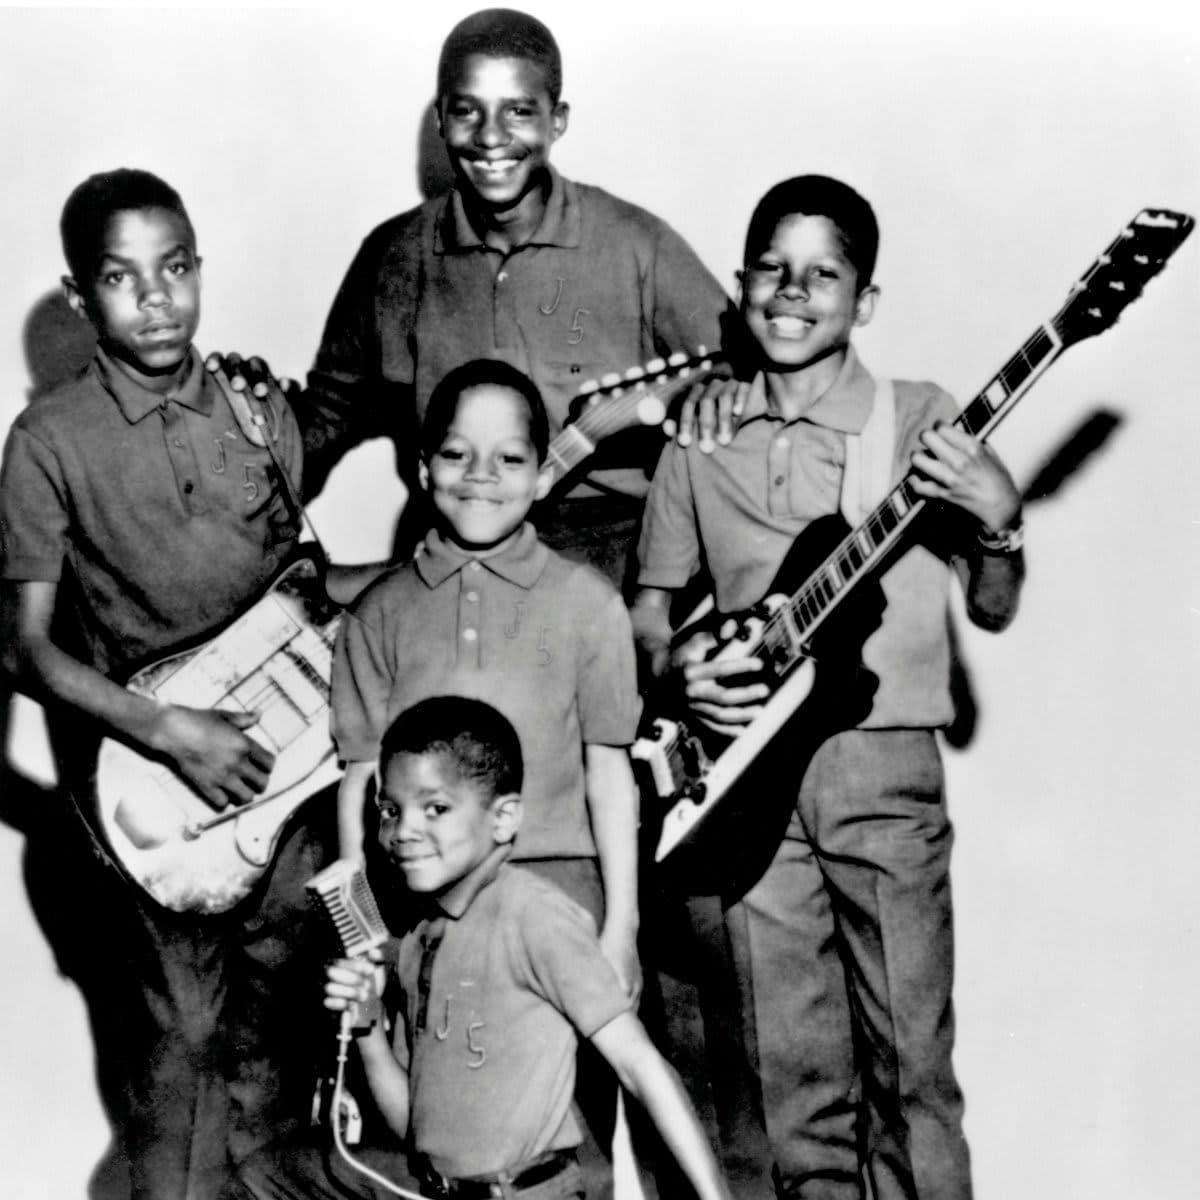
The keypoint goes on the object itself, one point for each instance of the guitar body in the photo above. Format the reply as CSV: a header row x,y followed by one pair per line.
x,y
827,690
274,659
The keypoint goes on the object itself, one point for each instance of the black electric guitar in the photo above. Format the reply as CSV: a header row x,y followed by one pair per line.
x,y
690,772
275,660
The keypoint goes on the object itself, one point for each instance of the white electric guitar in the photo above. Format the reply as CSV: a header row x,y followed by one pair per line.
x,y
689,769
275,660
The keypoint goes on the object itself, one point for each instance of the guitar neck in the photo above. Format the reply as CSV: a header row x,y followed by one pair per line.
x,y
577,442
789,629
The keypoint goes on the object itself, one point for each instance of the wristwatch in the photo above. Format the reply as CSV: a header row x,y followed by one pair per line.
x,y
1004,541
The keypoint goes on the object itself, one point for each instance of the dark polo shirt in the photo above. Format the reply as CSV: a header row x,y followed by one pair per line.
x,y
155,515
517,979
600,286
739,509
544,640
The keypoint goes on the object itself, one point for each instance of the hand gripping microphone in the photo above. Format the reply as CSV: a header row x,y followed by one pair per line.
x,y
349,903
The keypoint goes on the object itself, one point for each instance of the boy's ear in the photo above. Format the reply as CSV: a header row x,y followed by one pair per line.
x,y
423,475
74,297
864,304
506,817
560,115
545,481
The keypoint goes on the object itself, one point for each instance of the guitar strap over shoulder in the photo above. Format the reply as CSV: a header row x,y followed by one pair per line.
x,y
867,475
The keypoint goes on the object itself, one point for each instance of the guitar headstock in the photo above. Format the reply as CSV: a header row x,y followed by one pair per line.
x,y
1118,276
646,392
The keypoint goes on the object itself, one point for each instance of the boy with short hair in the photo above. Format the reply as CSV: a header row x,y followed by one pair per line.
x,y
562,278
487,610
135,516
847,933
498,980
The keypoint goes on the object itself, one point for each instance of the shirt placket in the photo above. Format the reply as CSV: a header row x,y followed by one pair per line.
x,y
470,615
182,456
779,472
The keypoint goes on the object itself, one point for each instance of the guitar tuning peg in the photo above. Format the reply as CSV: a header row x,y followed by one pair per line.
x,y
655,366
635,373
610,381
677,359
589,386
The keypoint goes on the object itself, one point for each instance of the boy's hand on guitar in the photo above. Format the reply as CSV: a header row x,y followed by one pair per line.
x,y
709,413
238,378
722,692
212,753
962,470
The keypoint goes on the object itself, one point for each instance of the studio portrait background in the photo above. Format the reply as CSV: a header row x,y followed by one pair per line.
x,y
1003,146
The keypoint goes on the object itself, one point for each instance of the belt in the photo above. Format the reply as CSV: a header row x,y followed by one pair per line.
x,y
485,1187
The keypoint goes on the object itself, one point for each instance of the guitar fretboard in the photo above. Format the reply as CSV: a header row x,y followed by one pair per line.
x,y
787,632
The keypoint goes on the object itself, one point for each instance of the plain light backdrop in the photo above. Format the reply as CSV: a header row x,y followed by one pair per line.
x,y
1003,146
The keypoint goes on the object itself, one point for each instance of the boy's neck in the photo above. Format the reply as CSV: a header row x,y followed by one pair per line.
x,y
491,551
506,229
455,899
791,393
160,383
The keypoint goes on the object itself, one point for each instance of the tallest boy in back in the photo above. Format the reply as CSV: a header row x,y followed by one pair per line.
x,y
563,280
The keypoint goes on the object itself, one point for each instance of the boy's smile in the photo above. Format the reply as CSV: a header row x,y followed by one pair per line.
x,y
484,477
498,123
436,825
800,296
144,298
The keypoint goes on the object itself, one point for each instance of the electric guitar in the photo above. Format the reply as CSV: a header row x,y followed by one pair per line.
x,y
691,770
275,660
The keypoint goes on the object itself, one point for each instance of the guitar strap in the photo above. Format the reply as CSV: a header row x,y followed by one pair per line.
x,y
867,475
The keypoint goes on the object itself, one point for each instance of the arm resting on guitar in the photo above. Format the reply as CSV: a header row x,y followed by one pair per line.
x,y
352,797
207,748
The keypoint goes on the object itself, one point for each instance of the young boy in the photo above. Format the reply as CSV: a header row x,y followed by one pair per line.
x,y
135,517
846,937
486,610
498,980
563,279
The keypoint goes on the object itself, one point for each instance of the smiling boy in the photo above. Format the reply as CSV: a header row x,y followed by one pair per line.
x,y
499,979
844,943
561,278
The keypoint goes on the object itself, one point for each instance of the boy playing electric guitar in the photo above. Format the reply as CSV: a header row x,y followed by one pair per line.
x,y
846,936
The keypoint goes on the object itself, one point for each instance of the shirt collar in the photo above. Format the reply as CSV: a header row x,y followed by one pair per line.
x,y
845,406
561,223
136,401
521,563
462,895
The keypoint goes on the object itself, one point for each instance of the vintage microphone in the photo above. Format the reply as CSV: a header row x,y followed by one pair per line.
x,y
346,897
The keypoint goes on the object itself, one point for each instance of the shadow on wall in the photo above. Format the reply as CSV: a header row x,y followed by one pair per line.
x,y
1057,469
58,345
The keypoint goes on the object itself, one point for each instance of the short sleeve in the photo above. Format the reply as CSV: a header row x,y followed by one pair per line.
x,y
360,686
557,954
34,513
689,305
669,546
606,675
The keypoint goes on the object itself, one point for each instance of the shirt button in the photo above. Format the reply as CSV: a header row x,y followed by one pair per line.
x,y
779,481
782,441
188,488
469,635
177,442
474,564
502,277
471,597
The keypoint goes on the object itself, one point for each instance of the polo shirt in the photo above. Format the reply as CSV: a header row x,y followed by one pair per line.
x,y
601,285
546,641
738,510
517,978
155,515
